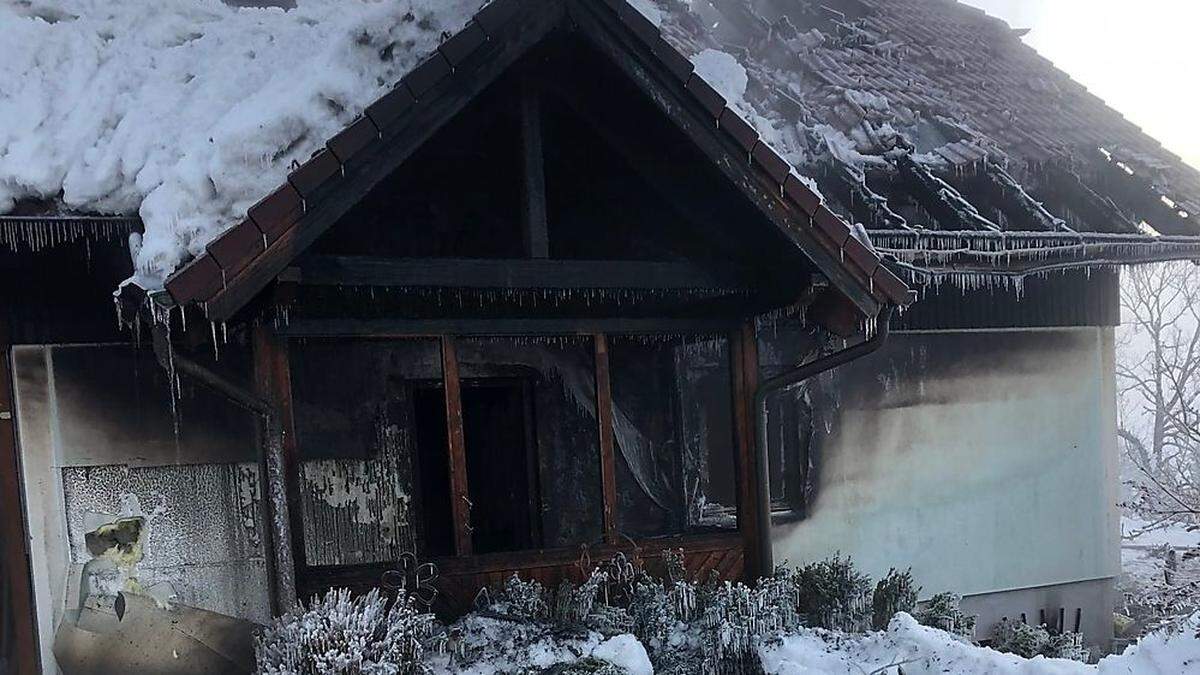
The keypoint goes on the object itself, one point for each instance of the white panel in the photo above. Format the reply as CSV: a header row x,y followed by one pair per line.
x,y
986,461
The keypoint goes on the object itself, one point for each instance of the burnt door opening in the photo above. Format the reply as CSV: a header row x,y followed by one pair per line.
x,y
433,471
502,466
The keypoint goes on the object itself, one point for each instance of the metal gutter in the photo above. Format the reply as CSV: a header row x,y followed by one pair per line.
x,y
783,382
283,591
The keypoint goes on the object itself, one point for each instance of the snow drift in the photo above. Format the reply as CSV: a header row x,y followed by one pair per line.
x,y
189,111
921,650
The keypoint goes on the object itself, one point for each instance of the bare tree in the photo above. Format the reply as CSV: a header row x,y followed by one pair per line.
x,y
1158,373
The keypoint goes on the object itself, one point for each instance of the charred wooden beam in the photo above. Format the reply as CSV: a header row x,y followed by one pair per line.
x,y
514,274
1099,212
382,328
460,496
537,242
1137,194
1017,204
940,199
865,204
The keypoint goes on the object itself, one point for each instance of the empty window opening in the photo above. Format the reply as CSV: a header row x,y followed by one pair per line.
x,y
502,466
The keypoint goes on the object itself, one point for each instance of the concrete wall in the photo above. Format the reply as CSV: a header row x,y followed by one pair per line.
x,y
986,460
98,440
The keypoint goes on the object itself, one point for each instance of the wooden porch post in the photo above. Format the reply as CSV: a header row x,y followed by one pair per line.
x,y
273,381
744,353
14,540
460,503
604,419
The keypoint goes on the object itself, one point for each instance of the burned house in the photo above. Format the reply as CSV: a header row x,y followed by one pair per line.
x,y
562,291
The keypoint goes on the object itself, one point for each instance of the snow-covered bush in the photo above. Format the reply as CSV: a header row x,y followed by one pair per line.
x,y
943,612
1014,637
340,635
834,595
519,599
894,593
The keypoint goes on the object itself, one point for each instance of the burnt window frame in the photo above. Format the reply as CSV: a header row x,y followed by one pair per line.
x,y
743,371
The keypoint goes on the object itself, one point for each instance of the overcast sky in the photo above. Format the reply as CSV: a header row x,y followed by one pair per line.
x,y
1142,58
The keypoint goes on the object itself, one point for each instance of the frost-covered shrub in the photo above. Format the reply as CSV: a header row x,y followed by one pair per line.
x,y
894,593
1014,637
585,666
834,595
340,635
737,617
527,600
1067,646
943,612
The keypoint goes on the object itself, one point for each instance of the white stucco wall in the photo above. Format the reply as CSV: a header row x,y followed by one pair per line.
x,y
985,460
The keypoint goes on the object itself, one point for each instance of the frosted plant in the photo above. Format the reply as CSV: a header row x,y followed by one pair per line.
x,y
943,613
522,600
1067,646
894,593
834,595
341,635
574,604
1014,637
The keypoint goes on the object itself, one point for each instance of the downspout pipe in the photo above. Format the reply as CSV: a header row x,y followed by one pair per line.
x,y
786,381
284,588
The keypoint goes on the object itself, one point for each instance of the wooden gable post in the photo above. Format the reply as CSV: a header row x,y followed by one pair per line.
x,y
537,241
744,354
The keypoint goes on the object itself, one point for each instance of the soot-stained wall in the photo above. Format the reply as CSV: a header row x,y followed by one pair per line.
x,y
98,443
986,460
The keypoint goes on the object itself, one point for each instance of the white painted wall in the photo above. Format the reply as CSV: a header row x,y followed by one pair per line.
x,y
985,460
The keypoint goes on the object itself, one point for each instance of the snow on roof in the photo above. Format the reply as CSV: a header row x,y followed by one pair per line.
x,y
189,111
844,77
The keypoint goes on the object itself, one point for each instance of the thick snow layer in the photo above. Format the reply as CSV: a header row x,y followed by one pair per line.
x,y
649,10
725,74
189,111
926,651
501,645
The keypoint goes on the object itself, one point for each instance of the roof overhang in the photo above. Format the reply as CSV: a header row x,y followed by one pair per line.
x,y
240,263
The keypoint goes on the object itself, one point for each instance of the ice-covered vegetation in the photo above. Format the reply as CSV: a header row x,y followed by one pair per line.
x,y
624,621
344,635
1158,378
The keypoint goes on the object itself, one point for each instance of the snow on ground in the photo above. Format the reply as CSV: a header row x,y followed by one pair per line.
x,y
500,645
505,646
189,111
925,651
1144,546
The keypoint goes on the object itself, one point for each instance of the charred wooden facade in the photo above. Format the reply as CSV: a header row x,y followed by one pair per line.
x,y
517,317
